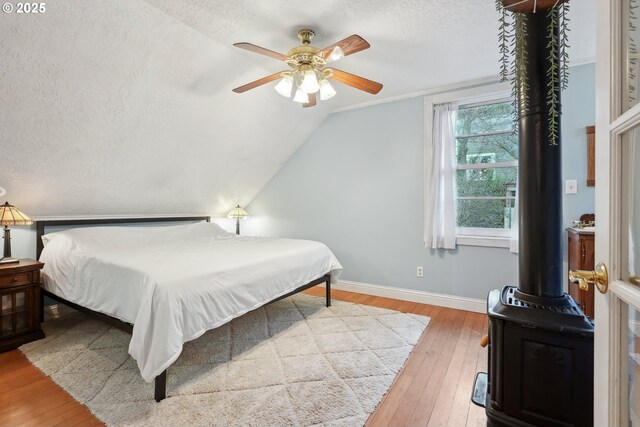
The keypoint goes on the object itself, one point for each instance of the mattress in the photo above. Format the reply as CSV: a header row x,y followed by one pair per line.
x,y
174,283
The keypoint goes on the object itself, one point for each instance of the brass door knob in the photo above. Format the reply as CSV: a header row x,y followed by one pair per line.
x,y
598,277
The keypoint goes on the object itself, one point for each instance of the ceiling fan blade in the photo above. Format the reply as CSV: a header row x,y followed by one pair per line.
x,y
257,83
356,81
312,101
350,45
261,50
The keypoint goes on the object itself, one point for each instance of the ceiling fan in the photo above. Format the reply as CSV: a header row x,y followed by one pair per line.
x,y
309,74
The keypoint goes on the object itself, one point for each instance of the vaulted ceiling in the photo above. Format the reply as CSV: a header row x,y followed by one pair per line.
x,y
125,106
415,44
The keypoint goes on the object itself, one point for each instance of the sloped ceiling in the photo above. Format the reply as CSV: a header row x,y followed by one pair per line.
x,y
125,106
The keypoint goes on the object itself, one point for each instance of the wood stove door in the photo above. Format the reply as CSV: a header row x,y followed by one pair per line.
x,y
617,326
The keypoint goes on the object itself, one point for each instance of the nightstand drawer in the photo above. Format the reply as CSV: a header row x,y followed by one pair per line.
x,y
17,279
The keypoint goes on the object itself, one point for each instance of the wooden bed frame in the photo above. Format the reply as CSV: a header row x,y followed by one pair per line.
x,y
161,380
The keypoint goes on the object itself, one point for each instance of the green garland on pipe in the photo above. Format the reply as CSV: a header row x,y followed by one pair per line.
x,y
512,46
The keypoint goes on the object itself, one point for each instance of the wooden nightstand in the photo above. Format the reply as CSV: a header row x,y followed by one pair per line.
x,y
20,303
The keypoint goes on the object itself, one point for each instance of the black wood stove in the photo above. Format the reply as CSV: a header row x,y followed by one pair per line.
x,y
540,369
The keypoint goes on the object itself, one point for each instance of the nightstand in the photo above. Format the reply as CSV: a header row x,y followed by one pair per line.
x,y
20,303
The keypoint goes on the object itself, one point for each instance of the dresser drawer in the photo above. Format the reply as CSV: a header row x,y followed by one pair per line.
x,y
16,279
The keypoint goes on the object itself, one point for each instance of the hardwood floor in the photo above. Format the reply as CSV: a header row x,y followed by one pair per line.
x,y
433,389
29,398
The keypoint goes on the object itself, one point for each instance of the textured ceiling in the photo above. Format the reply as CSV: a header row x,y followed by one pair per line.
x,y
415,44
125,106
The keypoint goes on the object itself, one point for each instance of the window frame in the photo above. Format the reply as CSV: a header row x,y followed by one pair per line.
x,y
470,97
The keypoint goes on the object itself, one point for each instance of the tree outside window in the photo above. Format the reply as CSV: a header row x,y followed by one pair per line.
x,y
487,167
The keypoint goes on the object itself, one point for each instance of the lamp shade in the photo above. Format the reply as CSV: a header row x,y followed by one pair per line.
x,y
301,96
326,90
336,53
309,81
238,213
9,215
285,86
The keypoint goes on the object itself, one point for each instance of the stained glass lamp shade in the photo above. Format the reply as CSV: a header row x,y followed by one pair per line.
x,y
238,213
9,215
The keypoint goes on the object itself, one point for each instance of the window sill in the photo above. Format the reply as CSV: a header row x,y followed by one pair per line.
x,y
493,242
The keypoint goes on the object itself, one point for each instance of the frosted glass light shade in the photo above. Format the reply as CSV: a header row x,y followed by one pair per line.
x,y
285,85
309,81
326,90
336,53
238,213
301,96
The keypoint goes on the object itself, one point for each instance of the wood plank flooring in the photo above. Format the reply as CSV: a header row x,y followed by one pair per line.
x,y
433,389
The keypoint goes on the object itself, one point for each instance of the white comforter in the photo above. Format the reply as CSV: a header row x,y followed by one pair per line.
x,y
175,283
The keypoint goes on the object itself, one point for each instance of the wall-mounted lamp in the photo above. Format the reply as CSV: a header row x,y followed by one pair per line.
x,y
238,213
9,215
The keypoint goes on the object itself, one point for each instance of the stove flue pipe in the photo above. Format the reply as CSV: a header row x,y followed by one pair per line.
x,y
540,173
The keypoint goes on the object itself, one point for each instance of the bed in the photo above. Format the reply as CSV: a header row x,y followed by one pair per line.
x,y
169,284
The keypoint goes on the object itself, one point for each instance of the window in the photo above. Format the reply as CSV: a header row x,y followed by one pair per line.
x,y
471,168
487,168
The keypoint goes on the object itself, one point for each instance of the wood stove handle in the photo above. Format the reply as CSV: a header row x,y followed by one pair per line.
x,y
598,277
484,341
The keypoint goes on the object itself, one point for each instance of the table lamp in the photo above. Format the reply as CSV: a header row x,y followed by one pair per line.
x,y
9,215
238,213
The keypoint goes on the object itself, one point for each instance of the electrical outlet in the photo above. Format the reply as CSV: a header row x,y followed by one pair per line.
x,y
571,186
419,272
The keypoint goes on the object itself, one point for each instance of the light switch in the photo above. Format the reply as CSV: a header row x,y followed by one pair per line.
x,y
571,186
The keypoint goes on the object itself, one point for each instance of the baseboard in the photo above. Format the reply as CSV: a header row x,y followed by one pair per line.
x,y
442,300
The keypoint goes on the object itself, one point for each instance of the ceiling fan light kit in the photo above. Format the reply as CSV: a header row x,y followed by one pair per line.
x,y
309,74
309,79
326,90
301,96
285,85
336,53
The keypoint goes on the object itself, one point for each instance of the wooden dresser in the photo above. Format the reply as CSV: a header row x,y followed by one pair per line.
x,y
581,257
20,303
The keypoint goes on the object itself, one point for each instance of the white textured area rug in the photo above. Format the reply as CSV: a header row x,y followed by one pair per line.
x,y
294,362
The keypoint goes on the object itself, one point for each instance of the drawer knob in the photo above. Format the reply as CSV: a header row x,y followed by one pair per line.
x,y
15,279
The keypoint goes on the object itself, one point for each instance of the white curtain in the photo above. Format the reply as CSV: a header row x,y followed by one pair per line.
x,y
441,203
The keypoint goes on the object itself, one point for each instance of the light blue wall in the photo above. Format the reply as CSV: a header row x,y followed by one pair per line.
x,y
578,112
357,185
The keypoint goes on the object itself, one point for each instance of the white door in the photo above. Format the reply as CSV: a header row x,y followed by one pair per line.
x,y
617,312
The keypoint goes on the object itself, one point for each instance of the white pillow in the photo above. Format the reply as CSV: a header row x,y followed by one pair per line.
x,y
118,237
